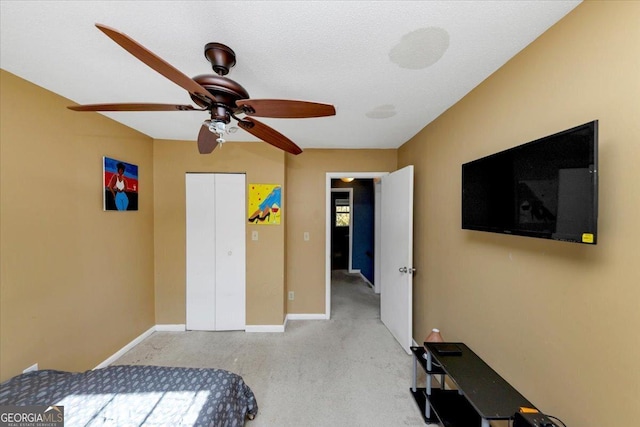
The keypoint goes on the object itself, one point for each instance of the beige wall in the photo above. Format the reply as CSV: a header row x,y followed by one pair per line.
x,y
76,283
306,193
560,321
265,257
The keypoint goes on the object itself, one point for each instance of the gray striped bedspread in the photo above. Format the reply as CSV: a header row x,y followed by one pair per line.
x,y
137,396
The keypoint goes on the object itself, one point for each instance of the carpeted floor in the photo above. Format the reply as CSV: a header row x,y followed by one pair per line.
x,y
347,371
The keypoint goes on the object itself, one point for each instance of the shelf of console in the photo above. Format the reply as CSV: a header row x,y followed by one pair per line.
x,y
448,408
452,409
419,352
420,396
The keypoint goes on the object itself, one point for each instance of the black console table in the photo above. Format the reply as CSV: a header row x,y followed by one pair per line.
x,y
481,395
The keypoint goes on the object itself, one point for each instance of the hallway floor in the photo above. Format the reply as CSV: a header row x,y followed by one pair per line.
x,y
346,371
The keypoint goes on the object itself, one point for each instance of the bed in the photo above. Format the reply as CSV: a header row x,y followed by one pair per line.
x,y
137,396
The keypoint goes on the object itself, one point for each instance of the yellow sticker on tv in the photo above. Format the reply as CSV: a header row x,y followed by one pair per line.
x,y
587,238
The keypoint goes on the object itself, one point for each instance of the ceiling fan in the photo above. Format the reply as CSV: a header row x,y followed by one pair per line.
x,y
222,97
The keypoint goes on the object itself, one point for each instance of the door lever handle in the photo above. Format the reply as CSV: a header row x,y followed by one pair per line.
x,y
402,269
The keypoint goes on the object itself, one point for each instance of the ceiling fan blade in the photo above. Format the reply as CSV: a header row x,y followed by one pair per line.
x,y
269,135
132,107
155,62
206,140
285,108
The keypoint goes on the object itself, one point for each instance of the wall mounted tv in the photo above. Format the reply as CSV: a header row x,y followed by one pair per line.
x,y
546,188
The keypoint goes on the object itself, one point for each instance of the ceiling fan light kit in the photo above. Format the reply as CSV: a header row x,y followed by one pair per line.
x,y
222,97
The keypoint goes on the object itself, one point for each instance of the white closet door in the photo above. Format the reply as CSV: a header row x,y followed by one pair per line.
x,y
201,251
230,212
216,251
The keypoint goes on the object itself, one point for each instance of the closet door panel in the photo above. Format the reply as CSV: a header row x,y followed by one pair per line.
x,y
201,252
230,247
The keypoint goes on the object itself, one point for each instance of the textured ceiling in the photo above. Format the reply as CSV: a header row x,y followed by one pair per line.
x,y
390,68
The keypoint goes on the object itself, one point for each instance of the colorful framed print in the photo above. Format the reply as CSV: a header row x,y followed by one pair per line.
x,y
120,185
265,204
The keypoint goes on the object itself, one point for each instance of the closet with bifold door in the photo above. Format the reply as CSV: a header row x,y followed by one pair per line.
x,y
216,251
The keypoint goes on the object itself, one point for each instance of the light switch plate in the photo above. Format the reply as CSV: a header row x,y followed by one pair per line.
x,y
254,235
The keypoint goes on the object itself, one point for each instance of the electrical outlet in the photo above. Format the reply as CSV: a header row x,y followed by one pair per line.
x,y
31,368
291,295
254,235
306,236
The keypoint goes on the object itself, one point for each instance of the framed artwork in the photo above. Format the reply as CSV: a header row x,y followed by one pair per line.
x,y
120,185
265,204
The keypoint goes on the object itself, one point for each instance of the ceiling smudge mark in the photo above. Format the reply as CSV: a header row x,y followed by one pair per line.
x,y
420,48
382,112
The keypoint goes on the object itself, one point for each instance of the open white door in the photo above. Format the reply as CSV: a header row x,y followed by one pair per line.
x,y
396,293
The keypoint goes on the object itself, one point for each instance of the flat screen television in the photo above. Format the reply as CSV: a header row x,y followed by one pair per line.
x,y
546,188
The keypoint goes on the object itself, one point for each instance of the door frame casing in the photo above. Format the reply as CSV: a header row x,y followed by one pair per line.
x,y
328,207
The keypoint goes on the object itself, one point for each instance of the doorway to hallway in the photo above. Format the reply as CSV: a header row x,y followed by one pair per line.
x,y
361,257
394,236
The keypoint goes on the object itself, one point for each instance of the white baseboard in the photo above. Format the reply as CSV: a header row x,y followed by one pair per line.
x,y
283,327
365,279
265,328
182,328
301,316
354,271
126,348
171,328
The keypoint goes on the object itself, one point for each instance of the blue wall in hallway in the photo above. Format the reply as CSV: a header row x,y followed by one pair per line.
x,y
363,224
